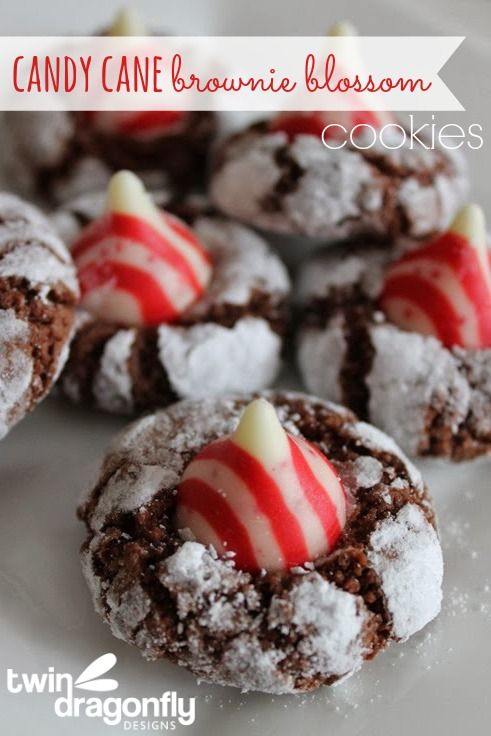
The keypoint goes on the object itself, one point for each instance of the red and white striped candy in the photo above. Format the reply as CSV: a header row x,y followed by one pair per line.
x,y
315,123
145,124
138,265
134,124
444,288
271,498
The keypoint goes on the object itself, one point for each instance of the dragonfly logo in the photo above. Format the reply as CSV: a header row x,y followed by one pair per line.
x,y
152,713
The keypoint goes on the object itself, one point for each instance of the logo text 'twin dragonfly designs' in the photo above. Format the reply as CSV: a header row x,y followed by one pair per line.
x,y
113,710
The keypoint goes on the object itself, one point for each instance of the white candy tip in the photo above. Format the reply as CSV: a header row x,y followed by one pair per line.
x,y
470,223
126,192
342,28
260,433
127,23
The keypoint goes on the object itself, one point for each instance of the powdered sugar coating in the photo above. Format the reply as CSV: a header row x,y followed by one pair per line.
x,y
410,372
209,360
42,141
126,609
434,183
410,379
15,369
334,619
336,193
337,186
320,357
367,471
56,156
33,140
192,423
198,575
376,439
431,207
39,138
246,264
319,275
334,189
96,585
476,367
37,281
223,627
204,357
201,422
247,666
405,552
112,385
38,142
30,249
125,493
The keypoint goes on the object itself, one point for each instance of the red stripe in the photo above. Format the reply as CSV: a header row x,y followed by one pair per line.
x,y
148,120
180,228
294,124
448,247
200,497
268,496
316,123
317,495
430,299
91,235
154,304
364,117
454,251
134,228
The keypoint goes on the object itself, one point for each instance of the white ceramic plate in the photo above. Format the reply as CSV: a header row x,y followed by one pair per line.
x,y
439,682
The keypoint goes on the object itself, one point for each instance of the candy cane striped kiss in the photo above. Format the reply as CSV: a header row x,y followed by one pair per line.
x,y
137,124
315,123
268,496
138,265
444,287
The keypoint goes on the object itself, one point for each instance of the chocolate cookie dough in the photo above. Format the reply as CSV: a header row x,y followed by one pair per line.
x,y
280,632
433,399
38,294
298,186
228,340
56,156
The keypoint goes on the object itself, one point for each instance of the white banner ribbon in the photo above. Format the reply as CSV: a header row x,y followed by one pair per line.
x,y
226,73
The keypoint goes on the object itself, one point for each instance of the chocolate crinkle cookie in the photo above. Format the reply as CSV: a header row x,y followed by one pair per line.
x,y
38,295
296,185
280,631
229,340
431,395
56,156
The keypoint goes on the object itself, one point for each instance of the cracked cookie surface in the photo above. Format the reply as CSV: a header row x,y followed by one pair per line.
x,y
229,340
56,156
300,187
432,399
38,295
276,632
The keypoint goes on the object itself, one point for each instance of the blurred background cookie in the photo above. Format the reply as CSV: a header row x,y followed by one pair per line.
x,y
403,337
338,174
38,295
55,156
